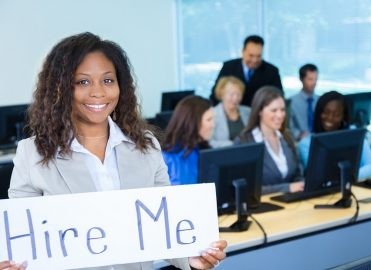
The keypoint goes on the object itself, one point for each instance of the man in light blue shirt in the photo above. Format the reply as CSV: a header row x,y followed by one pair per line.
x,y
302,104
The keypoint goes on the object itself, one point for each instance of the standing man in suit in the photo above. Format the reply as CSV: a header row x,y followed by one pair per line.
x,y
302,104
251,69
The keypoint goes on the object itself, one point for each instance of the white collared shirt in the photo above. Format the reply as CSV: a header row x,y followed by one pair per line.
x,y
280,158
105,175
245,69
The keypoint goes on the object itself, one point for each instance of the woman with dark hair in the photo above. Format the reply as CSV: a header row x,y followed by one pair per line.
x,y
267,123
87,134
331,114
189,130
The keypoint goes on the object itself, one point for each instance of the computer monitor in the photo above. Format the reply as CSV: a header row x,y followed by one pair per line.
x,y
360,108
326,151
332,166
237,173
171,99
12,120
224,165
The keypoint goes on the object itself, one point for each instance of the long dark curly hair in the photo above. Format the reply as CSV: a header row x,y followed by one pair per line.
x,y
49,115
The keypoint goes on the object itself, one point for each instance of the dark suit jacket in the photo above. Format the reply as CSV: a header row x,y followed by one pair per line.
x,y
272,180
265,74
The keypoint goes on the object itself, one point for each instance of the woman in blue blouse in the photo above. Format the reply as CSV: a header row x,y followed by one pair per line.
x,y
188,131
332,114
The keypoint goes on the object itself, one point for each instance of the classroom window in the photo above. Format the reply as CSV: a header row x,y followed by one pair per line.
x,y
333,34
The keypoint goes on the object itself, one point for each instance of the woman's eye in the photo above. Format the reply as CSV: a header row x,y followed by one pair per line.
x,y
107,81
83,82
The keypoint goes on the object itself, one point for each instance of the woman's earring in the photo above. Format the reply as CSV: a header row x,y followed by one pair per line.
x,y
114,115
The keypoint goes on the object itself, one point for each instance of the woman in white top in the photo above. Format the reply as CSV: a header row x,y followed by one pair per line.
x,y
267,124
230,117
87,134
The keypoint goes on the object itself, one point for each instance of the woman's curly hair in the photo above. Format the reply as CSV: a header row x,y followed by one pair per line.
x,y
49,116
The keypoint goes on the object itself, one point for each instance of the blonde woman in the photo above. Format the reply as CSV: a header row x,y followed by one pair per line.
x,y
230,117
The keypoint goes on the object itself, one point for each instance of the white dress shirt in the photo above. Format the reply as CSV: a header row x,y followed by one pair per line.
x,y
105,175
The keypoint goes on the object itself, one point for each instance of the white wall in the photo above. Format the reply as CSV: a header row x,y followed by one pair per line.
x,y
145,29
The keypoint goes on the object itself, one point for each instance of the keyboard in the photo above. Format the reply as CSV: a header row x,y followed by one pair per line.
x,y
364,184
261,208
303,195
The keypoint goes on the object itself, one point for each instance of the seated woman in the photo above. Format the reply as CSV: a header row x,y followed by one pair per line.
x,y
332,114
188,131
267,124
230,116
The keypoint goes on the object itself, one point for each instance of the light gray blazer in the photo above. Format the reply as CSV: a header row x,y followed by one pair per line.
x,y
66,175
221,132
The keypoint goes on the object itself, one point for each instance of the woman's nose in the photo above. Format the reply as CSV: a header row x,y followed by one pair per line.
x,y
97,90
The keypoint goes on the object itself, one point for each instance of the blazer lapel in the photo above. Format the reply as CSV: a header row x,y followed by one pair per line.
x,y
124,163
289,157
223,123
134,167
75,173
241,73
271,164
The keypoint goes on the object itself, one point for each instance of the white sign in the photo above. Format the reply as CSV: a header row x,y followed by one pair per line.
x,y
106,228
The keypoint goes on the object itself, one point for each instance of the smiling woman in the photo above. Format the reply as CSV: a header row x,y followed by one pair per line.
x,y
85,124
189,130
95,98
267,123
331,114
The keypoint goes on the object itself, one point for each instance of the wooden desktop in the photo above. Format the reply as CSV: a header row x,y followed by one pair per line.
x,y
301,237
298,236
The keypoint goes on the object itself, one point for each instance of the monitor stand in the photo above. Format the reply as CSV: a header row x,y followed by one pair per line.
x,y
345,185
241,224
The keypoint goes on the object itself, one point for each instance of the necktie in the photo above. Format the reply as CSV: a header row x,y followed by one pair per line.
x,y
248,74
310,113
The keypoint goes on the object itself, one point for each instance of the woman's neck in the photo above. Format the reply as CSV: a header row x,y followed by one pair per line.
x,y
93,138
267,131
232,112
92,131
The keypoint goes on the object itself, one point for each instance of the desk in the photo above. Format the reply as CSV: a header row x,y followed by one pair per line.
x,y
301,237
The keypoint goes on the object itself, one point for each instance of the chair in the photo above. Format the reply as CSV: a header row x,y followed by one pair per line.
x,y
162,119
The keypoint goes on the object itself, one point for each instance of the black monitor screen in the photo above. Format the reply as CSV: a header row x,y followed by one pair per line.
x,y
360,108
12,120
171,99
326,151
224,165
